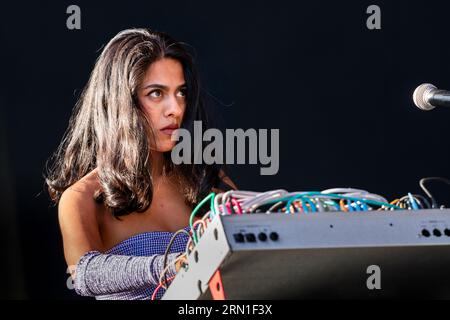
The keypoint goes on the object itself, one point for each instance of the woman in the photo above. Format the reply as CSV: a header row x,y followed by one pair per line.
x,y
120,197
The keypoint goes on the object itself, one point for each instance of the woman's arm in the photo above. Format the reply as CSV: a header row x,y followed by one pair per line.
x,y
79,223
98,273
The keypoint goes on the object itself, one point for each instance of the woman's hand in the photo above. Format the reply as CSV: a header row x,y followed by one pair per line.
x,y
180,262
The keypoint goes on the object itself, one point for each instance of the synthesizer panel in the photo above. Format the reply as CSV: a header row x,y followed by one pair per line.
x,y
320,255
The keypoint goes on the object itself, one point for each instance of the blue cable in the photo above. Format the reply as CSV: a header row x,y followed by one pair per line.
x,y
349,205
338,196
313,206
364,205
292,199
304,206
413,202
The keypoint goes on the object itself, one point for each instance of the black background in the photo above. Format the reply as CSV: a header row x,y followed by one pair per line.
x,y
339,93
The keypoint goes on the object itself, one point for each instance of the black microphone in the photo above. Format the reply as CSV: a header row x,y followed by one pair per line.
x,y
427,97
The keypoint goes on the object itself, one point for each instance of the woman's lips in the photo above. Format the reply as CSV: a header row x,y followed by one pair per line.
x,y
169,129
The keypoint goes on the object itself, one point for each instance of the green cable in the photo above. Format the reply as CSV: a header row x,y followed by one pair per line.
x,y
332,195
332,203
292,199
211,196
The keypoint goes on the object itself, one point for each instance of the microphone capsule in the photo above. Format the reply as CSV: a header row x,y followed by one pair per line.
x,y
421,96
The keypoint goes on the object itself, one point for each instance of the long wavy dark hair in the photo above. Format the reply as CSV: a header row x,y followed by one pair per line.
x,y
109,131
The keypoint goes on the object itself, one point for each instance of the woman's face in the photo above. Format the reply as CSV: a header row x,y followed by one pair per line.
x,y
162,96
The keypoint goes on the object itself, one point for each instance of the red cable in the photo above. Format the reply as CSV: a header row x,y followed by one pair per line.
x,y
238,206
159,287
228,207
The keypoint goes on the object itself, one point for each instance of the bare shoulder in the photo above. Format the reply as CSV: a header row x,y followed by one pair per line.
x,y
87,184
78,216
78,199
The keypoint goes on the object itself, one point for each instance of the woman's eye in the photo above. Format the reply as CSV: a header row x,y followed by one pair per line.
x,y
182,93
155,94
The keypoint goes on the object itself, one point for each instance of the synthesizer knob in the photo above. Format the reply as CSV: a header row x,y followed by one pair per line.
x,y
250,237
437,233
426,233
238,237
262,236
273,236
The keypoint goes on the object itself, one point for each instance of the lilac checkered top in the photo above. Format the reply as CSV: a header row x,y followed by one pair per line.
x,y
145,244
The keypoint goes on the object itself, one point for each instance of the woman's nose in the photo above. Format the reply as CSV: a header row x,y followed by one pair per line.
x,y
174,107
